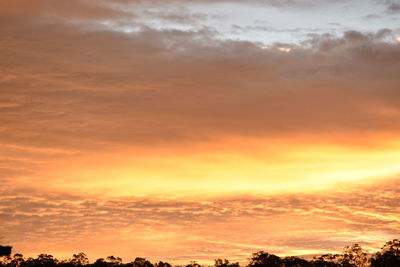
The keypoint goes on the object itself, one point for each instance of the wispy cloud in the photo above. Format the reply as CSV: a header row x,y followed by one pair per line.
x,y
202,229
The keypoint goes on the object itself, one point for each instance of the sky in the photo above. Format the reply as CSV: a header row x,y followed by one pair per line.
x,y
194,130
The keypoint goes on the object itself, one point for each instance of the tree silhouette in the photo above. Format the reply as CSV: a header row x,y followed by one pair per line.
x,y
264,259
100,263
111,260
389,256
18,260
321,262
328,260
43,260
141,262
193,264
5,251
79,259
162,264
225,263
292,261
352,256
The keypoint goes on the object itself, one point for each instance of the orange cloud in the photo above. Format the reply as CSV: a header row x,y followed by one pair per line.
x,y
237,165
187,228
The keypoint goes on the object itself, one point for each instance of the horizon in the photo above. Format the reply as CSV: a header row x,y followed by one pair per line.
x,y
352,254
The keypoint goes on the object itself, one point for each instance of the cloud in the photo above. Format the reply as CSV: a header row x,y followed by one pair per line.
x,y
174,85
392,6
74,9
69,90
213,227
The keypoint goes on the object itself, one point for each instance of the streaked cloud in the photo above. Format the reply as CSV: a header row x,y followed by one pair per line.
x,y
177,228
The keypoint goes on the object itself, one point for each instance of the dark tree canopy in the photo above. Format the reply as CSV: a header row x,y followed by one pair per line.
x,y
225,263
5,251
264,259
162,264
389,256
79,259
352,256
292,261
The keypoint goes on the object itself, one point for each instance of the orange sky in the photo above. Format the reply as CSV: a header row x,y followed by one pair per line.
x,y
185,143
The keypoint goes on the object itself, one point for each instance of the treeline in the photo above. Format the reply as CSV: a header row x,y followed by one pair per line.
x,y
352,256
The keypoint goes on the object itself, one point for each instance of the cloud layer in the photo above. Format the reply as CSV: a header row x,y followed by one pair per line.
x,y
131,100
180,230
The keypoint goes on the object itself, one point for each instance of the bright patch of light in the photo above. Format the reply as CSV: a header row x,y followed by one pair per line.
x,y
285,49
210,170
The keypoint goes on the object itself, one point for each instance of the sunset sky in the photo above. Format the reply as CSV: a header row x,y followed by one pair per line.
x,y
194,130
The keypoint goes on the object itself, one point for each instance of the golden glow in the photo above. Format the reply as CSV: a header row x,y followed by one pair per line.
x,y
258,166
285,49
